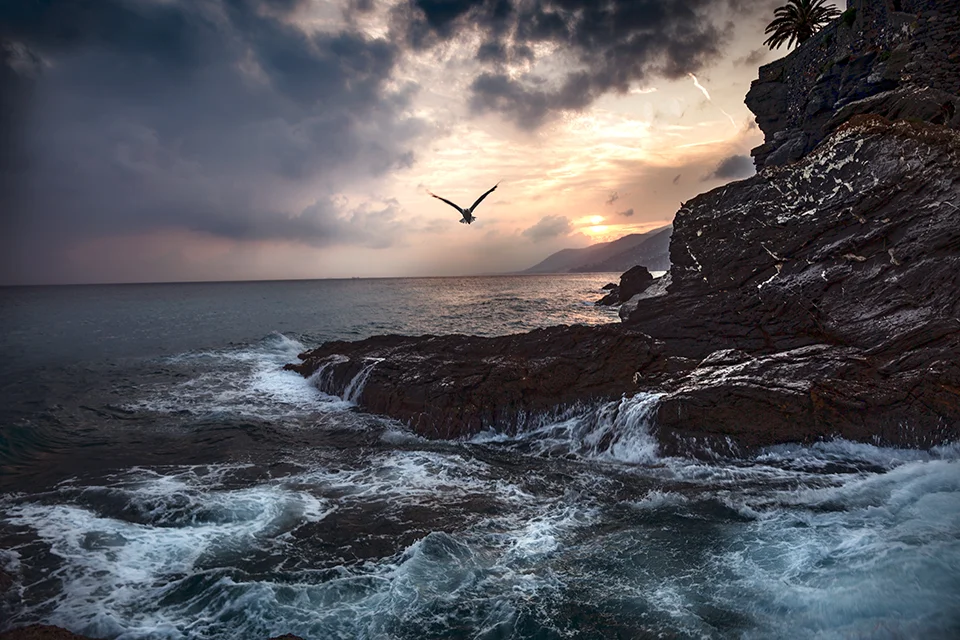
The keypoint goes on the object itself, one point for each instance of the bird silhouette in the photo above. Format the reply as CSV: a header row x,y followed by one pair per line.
x,y
467,213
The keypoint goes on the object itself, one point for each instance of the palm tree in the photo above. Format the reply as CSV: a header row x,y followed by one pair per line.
x,y
798,20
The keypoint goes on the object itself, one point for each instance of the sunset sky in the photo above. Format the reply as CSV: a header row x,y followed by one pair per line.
x,y
163,140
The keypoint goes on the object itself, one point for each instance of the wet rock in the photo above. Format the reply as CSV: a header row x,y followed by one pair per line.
x,y
824,298
741,402
455,386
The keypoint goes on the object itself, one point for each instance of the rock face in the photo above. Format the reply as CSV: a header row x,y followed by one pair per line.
x,y
897,59
836,280
819,298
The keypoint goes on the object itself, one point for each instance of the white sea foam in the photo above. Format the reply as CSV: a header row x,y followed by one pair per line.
x,y
248,381
617,431
167,573
114,571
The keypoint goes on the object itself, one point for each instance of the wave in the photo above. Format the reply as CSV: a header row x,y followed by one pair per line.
x,y
246,381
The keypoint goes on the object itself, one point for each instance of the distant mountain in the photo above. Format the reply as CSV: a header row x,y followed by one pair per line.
x,y
653,253
600,256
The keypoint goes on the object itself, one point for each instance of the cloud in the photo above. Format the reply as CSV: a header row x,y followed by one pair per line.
x,y
221,117
613,198
731,168
626,214
754,58
548,227
607,46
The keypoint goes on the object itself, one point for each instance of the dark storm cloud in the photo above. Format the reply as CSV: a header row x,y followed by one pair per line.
x,y
626,214
732,168
613,44
548,227
124,116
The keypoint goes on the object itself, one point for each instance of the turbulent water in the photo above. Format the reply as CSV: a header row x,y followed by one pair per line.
x,y
164,478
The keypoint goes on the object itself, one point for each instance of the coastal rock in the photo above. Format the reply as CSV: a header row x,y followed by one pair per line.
x,y
856,244
632,282
839,275
455,386
894,61
612,298
818,392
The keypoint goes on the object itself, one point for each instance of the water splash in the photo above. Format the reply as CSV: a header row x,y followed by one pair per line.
x,y
355,387
617,431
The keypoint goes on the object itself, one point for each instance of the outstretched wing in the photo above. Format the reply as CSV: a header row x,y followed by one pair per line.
x,y
457,207
480,199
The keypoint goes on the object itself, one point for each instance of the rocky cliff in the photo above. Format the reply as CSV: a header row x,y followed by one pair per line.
x,y
896,58
819,298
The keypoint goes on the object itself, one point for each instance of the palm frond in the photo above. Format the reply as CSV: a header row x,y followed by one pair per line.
x,y
796,21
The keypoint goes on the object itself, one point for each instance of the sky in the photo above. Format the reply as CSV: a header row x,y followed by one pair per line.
x,y
176,140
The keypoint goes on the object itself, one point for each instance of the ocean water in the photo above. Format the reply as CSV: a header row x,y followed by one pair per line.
x,y
163,477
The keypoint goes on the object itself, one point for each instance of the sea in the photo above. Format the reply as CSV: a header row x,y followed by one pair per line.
x,y
162,477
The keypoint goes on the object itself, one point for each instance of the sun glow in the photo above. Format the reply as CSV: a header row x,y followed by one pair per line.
x,y
597,229
596,220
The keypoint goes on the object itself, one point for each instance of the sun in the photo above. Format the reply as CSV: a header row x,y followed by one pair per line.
x,y
595,220
597,229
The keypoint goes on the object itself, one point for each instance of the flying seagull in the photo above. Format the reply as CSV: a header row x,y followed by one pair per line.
x,y
467,213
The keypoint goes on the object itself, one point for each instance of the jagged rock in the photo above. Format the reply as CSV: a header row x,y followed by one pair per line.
x,y
857,247
656,289
453,386
885,62
740,401
610,286
764,264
